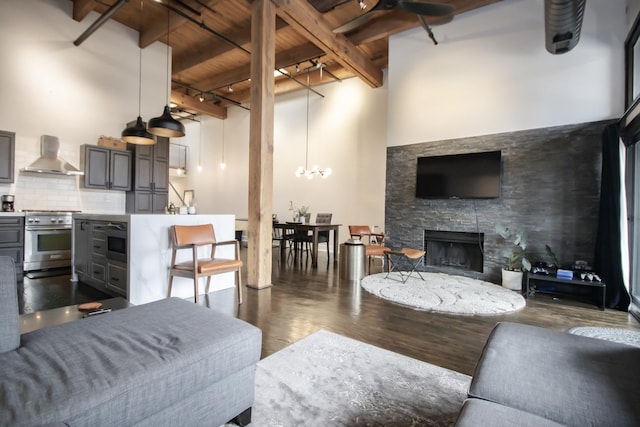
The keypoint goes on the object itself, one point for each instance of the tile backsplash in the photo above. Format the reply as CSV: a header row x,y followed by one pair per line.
x,y
55,192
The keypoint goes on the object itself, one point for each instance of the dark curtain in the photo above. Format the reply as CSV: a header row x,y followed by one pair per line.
x,y
608,257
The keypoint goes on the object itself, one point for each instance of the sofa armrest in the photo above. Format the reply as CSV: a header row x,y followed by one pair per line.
x,y
9,314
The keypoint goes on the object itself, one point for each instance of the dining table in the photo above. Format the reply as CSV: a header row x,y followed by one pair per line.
x,y
289,228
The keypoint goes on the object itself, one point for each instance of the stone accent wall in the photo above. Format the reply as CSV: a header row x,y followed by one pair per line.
x,y
550,188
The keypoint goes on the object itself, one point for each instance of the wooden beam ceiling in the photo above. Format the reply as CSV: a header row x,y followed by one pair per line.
x,y
211,42
310,24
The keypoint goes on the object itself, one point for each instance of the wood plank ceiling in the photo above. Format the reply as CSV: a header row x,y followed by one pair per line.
x,y
210,42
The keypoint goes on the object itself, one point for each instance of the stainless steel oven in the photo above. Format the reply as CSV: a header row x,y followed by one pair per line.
x,y
47,240
117,241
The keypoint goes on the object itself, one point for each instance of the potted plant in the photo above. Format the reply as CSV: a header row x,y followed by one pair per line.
x,y
300,214
516,255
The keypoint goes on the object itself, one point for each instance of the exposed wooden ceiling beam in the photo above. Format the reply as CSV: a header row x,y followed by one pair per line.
x,y
207,51
157,25
284,59
81,8
311,25
283,86
194,104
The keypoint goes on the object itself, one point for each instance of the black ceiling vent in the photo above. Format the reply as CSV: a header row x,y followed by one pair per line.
x,y
562,23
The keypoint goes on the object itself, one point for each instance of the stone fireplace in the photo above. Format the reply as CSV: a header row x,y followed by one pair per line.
x,y
557,205
454,250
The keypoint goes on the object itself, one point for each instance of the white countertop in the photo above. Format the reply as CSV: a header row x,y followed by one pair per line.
x,y
11,213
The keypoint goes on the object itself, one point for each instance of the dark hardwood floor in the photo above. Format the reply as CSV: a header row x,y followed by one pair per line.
x,y
304,300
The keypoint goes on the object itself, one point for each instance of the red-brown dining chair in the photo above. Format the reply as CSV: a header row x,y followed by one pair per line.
x,y
195,236
374,244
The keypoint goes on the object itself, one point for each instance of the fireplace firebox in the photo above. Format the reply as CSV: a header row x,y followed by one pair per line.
x,y
454,250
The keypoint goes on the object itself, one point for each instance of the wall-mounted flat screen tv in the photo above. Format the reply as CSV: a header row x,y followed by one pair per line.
x,y
459,176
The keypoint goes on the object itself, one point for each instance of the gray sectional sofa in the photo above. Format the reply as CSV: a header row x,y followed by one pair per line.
x,y
531,376
165,363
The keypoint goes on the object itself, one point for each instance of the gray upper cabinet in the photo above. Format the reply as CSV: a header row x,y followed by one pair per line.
x,y
7,156
150,192
107,169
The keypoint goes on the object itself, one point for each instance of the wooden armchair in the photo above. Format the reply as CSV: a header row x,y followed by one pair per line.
x,y
195,236
374,245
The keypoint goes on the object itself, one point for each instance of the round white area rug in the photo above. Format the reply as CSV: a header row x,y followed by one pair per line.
x,y
624,336
445,293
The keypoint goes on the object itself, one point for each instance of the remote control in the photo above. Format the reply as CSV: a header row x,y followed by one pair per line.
x,y
100,311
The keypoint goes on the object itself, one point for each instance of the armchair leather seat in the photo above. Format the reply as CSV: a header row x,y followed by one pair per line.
x,y
191,237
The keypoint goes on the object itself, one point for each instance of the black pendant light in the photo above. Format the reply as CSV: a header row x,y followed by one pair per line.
x,y
137,134
166,125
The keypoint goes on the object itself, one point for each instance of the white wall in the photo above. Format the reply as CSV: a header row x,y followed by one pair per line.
x,y
347,130
491,73
49,86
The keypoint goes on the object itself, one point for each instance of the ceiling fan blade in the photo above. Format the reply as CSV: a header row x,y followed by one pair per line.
x,y
355,23
424,8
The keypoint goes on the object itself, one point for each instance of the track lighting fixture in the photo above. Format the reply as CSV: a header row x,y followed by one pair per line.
x,y
166,125
230,89
362,4
201,98
297,68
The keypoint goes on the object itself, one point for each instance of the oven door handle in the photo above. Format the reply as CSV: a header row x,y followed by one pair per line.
x,y
47,228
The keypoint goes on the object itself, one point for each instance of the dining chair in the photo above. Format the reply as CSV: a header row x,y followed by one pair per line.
x,y
196,236
374,245
306,238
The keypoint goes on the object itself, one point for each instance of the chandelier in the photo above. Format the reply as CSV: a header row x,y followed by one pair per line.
x,y
315,169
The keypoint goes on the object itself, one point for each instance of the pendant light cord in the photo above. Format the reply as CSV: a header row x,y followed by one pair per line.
x,y
140,61
223,142
168,48
306,160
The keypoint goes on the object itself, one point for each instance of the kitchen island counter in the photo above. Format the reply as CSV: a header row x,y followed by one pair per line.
x,y
149,253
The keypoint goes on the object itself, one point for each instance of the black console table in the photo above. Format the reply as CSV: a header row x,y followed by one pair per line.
x,y
572,287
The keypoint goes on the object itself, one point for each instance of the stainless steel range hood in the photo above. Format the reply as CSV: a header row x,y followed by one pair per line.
x,y
50,162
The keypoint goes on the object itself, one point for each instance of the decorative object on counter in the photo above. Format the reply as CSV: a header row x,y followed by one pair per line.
x,y
315,169
189,197
166,125
299,214
137,133
171,209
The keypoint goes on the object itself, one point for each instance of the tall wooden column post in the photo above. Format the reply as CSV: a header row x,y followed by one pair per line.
x,y
263,33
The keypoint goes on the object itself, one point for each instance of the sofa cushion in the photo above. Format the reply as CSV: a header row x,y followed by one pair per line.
x,y
9,315
140,360
477,412
570,379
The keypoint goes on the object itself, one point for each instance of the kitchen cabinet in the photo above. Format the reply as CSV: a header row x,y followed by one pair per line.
x,y
92,266
12,241
150,193
106,168
117,277
7,156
